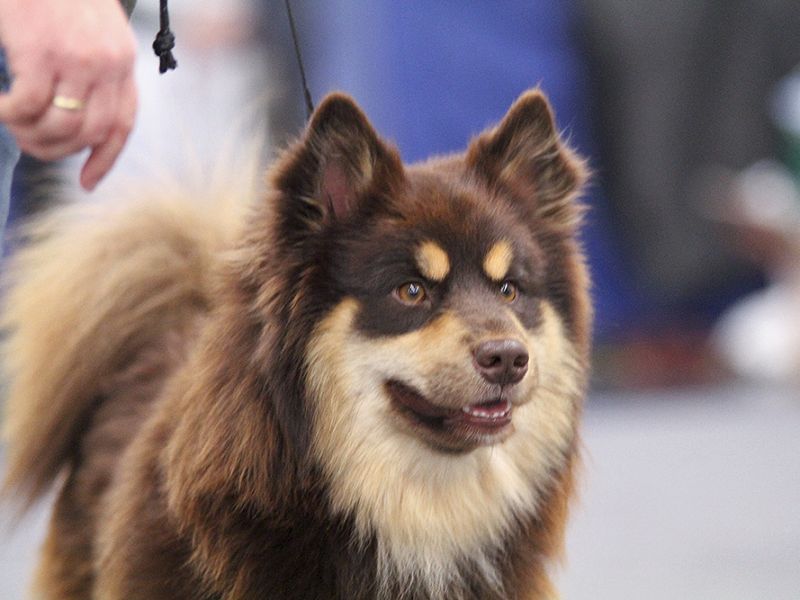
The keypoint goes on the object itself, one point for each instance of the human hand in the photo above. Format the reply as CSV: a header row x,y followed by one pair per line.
x,y
73,86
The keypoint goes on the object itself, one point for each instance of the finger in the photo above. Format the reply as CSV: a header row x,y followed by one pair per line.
x,y
30,96
103,156
63,131
53,133
101,160
43,150
101,113
59,127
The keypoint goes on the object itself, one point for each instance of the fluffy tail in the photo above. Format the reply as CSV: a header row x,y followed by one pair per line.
x,y
96,282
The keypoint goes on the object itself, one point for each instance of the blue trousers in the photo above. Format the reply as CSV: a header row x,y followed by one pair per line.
x,y
9,155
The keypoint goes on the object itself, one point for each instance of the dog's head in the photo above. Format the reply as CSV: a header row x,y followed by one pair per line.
x,y
437,317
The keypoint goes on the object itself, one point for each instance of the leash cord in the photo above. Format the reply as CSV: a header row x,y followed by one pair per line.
x,y
306,93
165,41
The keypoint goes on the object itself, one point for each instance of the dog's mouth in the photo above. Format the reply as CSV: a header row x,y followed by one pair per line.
x,y
482,423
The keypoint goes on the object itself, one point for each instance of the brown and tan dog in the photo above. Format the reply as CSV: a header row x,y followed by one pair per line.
x,y
370,390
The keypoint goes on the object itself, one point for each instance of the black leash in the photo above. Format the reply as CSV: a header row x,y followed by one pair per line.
x,y
164,42
309,103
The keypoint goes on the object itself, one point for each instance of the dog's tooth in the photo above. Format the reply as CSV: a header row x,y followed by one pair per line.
x,y
481,413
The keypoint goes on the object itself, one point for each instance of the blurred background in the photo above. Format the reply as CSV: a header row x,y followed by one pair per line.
x,y
689,111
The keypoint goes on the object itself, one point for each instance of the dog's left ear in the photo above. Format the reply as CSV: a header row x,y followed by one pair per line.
x,y
525,154
339,162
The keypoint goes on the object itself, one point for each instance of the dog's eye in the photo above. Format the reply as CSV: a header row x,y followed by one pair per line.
x,y
411,293
508,291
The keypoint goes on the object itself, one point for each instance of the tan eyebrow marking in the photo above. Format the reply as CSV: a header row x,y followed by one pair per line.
x,y
498,260
432,261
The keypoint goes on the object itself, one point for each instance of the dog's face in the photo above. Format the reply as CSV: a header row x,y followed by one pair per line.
x,y
444,301
443,315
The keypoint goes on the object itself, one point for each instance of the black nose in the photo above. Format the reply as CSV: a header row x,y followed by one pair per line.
x,y
501,361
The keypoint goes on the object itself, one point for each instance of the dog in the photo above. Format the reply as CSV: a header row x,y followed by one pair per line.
x,y
369,387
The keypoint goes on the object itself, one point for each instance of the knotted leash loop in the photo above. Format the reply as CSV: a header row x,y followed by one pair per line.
x,y
165,41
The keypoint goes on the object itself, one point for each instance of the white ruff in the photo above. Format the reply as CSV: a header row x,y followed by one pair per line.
x,y
431,510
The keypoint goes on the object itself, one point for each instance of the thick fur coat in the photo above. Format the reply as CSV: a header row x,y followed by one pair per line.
x,y
369,387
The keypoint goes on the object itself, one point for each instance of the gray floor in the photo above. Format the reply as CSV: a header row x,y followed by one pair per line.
x,y
691,495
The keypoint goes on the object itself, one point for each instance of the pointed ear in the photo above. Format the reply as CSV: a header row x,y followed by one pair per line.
x,y
336,164
525,154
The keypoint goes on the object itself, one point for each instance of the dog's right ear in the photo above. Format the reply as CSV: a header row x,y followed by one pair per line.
x,y
339,162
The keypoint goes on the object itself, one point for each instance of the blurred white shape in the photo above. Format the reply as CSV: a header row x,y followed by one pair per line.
x,y
759,337
766,196
786,104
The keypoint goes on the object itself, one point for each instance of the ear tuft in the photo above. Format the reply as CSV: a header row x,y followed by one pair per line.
x,y
338,112
525,154
340,157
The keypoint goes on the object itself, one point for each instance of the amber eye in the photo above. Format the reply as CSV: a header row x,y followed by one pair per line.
x,y
508,291
411,293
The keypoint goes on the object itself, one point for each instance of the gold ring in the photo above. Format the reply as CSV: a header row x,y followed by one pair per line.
x,y
68,103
